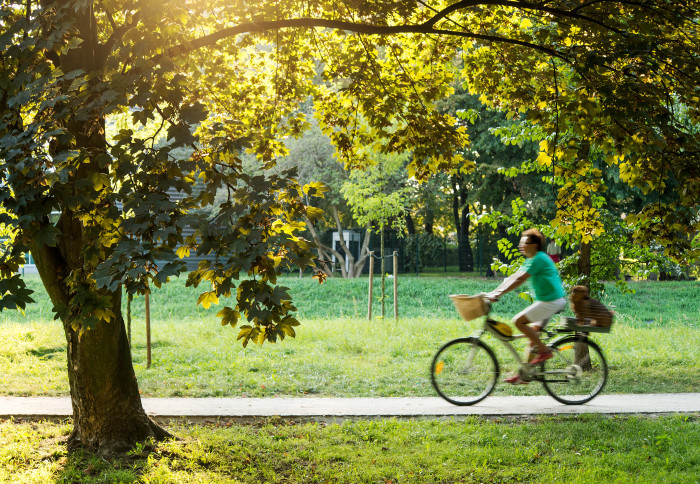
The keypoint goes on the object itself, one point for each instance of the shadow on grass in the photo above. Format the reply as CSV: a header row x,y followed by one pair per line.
x,y
154,344
45,353
82,466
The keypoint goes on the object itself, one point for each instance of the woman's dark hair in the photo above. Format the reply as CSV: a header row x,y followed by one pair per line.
x,y
534,236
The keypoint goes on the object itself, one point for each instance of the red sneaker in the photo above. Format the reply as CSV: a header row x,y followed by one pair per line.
x,y
516,380
542,357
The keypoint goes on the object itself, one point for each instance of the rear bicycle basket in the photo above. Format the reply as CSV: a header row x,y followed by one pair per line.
x,y
582,326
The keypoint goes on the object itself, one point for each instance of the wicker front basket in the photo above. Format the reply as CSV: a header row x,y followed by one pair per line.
x,y
470,307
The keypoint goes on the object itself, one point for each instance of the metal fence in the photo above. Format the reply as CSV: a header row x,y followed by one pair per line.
x,y
417,254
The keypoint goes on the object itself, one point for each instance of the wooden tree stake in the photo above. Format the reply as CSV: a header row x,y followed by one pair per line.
x,y
371,274
396,285
148,331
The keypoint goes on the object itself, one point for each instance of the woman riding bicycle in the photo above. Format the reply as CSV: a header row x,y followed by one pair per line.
x,y
549,294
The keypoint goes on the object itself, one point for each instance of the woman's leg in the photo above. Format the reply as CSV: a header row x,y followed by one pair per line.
x,y
523,324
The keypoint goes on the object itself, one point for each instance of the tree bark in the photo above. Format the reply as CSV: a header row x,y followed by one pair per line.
x,y
108,416
410,226
582,356
584,263
107,412
460,212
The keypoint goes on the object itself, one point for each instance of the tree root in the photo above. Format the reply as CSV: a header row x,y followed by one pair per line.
x,y
119,445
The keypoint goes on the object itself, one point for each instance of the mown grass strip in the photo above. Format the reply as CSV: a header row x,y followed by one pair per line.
x,y
542,449
347,356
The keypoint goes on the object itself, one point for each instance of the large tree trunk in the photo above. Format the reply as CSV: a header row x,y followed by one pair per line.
x,y
108,416
107,412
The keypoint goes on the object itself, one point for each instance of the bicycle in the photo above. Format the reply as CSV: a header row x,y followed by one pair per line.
x,y
465,370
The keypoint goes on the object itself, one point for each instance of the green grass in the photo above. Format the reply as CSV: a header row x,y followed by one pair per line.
x,y
653,348
542,449
337,352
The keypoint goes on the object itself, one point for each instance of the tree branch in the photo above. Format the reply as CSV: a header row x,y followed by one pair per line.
x,y
341,239
539,7
364,251
321,247
309,23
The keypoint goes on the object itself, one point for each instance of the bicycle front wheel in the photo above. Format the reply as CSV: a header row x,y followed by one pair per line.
x,y
577,372
464,371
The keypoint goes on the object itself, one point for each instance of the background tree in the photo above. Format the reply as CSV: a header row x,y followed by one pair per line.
x,y
492,184
313,155
377,196
606,91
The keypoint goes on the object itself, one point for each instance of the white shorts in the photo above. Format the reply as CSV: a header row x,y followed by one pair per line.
x,y
541,311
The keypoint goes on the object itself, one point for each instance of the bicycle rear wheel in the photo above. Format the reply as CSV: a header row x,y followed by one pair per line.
x,y
577,372
464,371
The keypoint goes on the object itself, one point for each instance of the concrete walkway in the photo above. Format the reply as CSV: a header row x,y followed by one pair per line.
x,y
312,408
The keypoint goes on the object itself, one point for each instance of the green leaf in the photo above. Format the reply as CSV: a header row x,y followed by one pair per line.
x,y
246,333
287,328
47,235
15,294
193,113
170,269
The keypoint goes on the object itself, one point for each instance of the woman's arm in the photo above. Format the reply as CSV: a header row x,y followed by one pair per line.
x,y
512,282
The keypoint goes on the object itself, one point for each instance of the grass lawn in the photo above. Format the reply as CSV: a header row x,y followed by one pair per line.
x,y
337,352
544,449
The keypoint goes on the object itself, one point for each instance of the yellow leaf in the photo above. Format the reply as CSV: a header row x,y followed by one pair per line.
x,y
544,159
206,299
183,251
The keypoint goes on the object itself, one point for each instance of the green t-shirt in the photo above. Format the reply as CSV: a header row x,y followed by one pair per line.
x,y
544,276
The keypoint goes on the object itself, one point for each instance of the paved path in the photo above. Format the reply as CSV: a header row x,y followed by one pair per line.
x,y
311,408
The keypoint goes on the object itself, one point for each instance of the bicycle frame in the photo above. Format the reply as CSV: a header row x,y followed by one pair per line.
x,y
506,342
527,371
